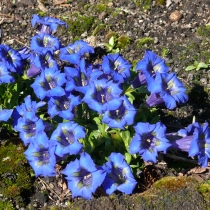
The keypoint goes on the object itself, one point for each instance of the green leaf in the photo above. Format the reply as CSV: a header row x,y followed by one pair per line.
x,y
128,157
201,65
189,68
111,41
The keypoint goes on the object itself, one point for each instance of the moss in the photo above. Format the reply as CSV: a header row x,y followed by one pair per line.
x,y
98,29
123,41
100,7
171,183
160,2
144,41
41,13
15,179
204,189
143,4
6,205
78,24
203,30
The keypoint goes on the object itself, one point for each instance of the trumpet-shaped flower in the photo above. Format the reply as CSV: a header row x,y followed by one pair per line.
x,y
121,116
63,106
49,84
11,58
73,53
117,67
40,62
149,139
66,137
44,43
169,90
149,66
195,141
5,114
102,95
28,106
47,25
41,157
5,76
83,177
29,127
118,175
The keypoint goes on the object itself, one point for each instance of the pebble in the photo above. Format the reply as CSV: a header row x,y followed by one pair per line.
x,y
175,16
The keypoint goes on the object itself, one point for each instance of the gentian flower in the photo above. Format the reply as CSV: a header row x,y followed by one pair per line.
x,y
40,62
83,177
149,139
5,114
49,84
63,106
117,67
195,141
149,66
11,58
47,25
118,175
79,77
44,43
121,116
66,137
28,106
5,76
41,157
102,95
169,90
73,53
29,127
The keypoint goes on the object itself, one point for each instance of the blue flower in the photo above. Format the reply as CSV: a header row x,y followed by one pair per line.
x,y
73,53
83,177
40,62
11,58
152,63
169,90
121,116
5,76
118,175
49,84
47,25
28,106
66,137
198,143
117,67
102,95
29,127
63,106
44,43
149,140
41,157
149,66
5,114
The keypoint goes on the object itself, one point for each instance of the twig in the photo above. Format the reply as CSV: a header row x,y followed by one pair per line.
x,y
43,182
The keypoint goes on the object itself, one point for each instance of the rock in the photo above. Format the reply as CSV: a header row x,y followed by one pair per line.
x,y
175,16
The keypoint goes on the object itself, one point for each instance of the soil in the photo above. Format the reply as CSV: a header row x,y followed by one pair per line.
x,y
137,25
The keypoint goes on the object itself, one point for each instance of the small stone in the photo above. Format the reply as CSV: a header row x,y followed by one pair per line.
x,y
175,16
110,4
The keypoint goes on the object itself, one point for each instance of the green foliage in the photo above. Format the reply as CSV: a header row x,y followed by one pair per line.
x,y
6,205
78,24
204,189
111,46
203,30
144,41
160,2
143,4
41,13
123,41
164,52
196,66
15,176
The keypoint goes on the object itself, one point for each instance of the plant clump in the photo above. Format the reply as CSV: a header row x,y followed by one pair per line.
x,y
15,178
